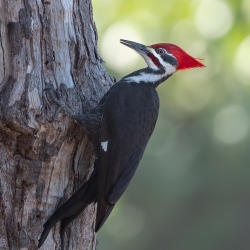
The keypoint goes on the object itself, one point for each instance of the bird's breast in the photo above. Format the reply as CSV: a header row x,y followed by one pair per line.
x,y
132,110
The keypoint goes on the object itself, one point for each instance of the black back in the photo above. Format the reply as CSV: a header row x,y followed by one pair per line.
x,y
130,112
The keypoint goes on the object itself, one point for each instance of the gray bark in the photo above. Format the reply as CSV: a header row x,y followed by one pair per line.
x,y
45,44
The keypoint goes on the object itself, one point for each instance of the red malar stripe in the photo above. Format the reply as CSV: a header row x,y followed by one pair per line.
x,y
154,59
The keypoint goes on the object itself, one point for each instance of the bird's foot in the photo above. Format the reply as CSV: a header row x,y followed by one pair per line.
x,y
52,96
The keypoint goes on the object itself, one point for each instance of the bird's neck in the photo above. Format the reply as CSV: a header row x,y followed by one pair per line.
x,y
150,76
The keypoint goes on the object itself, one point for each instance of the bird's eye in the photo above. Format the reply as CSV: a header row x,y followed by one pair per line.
x,y
161,51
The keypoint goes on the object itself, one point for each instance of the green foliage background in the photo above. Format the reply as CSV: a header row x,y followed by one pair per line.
x,y
192,189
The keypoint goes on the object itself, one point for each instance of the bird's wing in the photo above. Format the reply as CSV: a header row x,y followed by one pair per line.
x,y
117,171
123,138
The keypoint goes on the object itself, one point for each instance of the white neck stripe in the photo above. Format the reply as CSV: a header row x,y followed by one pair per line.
x,y
150,77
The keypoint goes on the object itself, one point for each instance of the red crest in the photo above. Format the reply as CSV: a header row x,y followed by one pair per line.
x,y
185,61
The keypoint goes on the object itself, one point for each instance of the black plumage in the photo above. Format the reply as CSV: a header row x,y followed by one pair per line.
x,y
120,127
126,127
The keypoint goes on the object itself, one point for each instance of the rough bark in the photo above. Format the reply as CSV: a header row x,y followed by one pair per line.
x,y
45,43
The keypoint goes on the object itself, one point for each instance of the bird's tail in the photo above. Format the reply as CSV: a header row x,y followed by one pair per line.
x,y
70,209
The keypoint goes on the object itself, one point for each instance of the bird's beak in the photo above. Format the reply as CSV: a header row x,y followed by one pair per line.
x,y
140,48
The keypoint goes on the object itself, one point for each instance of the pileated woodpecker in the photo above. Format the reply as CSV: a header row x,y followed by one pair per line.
x,y
120,127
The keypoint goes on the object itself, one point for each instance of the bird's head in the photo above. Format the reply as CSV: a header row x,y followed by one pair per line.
x,y
164,56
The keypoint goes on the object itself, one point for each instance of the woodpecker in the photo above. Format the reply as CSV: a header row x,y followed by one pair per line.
x,y
120,127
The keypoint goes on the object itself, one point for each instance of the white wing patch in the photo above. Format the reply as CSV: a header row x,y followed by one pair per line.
x,y
104,145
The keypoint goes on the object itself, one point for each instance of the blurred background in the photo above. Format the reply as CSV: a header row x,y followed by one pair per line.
x,y
192,188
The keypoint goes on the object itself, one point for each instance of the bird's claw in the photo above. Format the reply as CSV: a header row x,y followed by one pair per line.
x,y
53,97
61,104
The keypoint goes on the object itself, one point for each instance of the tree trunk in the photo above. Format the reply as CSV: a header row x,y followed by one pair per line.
x,y
42,162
